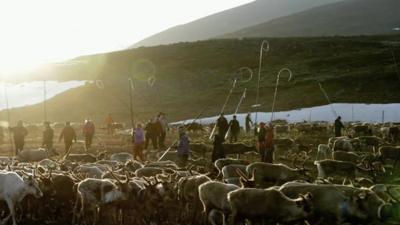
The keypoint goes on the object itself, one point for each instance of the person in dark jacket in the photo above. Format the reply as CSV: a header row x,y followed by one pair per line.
x,y
88,132
338,127
48,135
218,148
158,132
163,123
69,135
261,133
248,123
19,132
234,129
223,126
269,145
150,135
183,149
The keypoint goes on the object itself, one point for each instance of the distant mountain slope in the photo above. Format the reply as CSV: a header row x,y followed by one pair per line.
x,y
350,17
231,20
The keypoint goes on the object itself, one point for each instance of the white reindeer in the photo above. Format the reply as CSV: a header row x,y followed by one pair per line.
x,y
13,190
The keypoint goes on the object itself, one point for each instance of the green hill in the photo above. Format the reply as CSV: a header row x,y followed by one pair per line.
x,y
192,76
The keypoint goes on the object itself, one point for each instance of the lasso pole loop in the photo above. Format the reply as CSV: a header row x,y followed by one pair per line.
x,y
99,84
276,88
250,71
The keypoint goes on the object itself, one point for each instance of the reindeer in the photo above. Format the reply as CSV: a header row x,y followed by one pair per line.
x,y
14,188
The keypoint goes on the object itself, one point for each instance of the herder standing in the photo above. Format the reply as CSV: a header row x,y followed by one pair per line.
x,y
69,135
88,131
20,132
223,126
338,127
234,129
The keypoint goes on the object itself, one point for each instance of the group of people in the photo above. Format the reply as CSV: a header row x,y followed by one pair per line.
x,y
68,134
263,132
265,136
232,129
154,131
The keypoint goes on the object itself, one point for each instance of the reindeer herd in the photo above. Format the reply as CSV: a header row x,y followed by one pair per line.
x,y
314,180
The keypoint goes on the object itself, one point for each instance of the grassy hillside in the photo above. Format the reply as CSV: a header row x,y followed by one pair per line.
x,y
231,20
192,76
350,17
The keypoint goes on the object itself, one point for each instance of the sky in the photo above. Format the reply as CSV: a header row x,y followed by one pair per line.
x,y
34,32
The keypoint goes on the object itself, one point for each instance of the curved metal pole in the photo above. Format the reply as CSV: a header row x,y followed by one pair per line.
x,y
131,88
223,107
177,140
276,88
8,118
150,81
262,49
327,98
236,110
44,100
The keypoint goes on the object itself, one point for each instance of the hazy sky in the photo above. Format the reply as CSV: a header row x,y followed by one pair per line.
x,y
38,31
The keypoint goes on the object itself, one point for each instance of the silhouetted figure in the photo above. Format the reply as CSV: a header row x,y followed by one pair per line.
x,y
88,132
157,131
269,145
223,126
248,123
109,123
261,133
163,129
338,127
48,135
138,138
19,132
183,150
234,129
150,135
218,149
69,135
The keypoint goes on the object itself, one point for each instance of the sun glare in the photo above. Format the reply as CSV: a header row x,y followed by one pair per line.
x,y
41,31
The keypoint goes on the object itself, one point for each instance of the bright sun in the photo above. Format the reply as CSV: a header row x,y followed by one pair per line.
x,y
42,31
